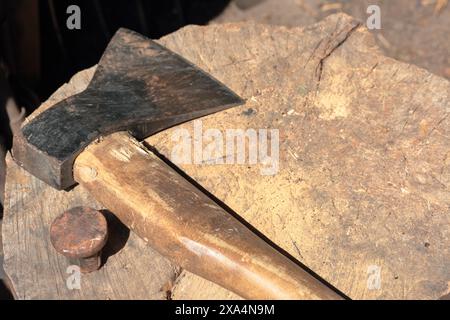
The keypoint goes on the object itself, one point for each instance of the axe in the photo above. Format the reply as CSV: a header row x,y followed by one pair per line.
x,y
92,138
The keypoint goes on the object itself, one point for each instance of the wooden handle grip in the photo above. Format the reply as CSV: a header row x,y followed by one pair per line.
x,y
186,226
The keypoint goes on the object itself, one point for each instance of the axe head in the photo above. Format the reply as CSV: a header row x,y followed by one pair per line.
x,y
139,86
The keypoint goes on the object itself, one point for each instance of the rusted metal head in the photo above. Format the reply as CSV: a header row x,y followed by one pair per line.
x,y
139,86
80,233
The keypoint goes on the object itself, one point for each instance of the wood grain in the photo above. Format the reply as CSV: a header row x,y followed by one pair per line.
x,y
364,154
185,225
38,272
364,164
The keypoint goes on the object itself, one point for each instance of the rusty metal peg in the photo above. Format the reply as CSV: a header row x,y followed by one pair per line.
x,y
80,233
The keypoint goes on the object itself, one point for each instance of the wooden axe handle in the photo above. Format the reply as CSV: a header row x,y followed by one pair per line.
x,y
186,226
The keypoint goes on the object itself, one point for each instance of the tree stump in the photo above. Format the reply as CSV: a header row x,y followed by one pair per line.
x,y
409,29
361,195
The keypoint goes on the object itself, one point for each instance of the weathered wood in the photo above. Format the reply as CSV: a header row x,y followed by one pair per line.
x,y
37,271
408,28
132,269
364,163
183,224
364,154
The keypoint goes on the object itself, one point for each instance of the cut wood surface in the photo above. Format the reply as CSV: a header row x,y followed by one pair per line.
x,y
362,185
182,223
408,29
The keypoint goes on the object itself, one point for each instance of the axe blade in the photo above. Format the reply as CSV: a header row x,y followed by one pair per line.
x,y
139,86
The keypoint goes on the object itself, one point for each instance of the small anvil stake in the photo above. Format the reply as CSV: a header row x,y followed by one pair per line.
x,y
138,89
